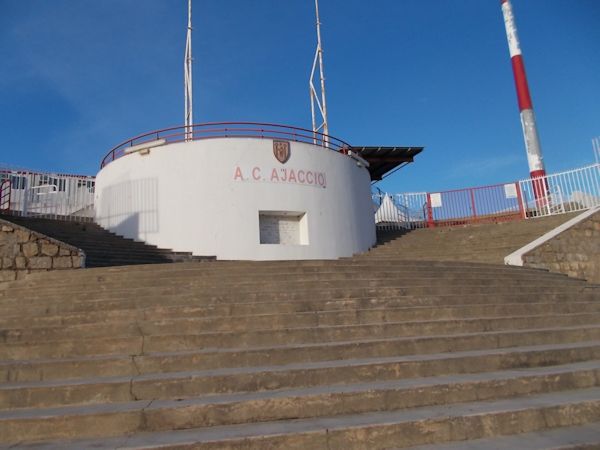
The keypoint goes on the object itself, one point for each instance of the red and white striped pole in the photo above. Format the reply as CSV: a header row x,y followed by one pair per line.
x,y
532,140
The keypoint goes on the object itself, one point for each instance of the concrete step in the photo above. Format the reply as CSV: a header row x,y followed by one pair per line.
x,y
147,383
250,333
327,280
139,345
310,294
584,437
488,243
218,410
220,317
404,362
383,429
221,270
324,290
256,304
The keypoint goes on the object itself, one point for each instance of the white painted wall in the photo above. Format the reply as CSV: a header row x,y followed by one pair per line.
x,y
189,196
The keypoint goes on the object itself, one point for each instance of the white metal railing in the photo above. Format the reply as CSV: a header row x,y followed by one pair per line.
x,y
569,191
560,193
49,195
400,211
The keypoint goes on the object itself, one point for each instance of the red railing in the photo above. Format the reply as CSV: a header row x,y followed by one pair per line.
x,y
215,130
5,192
495,203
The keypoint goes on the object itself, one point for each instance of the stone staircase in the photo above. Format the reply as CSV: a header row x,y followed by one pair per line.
x,y
102,248
364,353
486,243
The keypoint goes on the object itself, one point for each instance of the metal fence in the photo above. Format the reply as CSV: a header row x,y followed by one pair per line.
x,y
400,211
570,191
71,197
573,190
47,195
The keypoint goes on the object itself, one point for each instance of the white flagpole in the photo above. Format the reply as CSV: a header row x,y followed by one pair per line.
x,y
189,116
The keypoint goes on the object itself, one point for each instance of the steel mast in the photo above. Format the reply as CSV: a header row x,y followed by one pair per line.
x,y
530,132
187,67
321,103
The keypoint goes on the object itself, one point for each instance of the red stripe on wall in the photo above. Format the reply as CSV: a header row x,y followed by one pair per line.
x,y
521,83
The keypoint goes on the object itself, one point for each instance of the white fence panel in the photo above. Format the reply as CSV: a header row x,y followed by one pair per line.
x,y
47,195
560,193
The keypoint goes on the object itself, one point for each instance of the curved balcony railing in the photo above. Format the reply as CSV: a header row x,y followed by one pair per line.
x,y
214,130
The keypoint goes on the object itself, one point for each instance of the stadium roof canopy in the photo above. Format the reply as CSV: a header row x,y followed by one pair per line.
x,y
384,160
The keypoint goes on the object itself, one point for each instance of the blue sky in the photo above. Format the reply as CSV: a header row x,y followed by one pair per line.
x,y
79,76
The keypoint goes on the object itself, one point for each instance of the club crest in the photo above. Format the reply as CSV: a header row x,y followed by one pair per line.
x,y
281,150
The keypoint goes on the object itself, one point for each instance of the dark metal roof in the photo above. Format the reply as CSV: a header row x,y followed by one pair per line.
x,y
383,160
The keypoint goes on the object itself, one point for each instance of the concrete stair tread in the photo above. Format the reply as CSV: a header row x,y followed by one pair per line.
x,y
444,382
327,301
251,279
269,266
325,292
294,366
320,432
166,327
584,437
182,361
359,280
293,305
146,325
256,339
422,312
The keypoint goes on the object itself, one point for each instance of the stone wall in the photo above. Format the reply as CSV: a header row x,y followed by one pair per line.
x,y
574,252
23,251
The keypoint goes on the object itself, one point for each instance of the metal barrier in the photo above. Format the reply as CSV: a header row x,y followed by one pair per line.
x,y
400,211
496,203
570,191
48,195
214,130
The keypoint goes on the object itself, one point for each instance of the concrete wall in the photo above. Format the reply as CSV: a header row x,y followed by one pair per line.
x,y
205,197
23,251
574,252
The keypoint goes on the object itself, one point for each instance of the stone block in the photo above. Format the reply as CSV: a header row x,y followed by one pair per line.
x,y
40,262
49,249
77,261
7,275
62,262
22,236
20,262
9,229
30,249
8,245
7,263
64,252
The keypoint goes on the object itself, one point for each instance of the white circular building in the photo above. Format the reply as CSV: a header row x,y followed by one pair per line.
x,y
240,191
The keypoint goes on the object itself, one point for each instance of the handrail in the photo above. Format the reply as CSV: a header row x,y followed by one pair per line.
x,y
212,130
52,190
